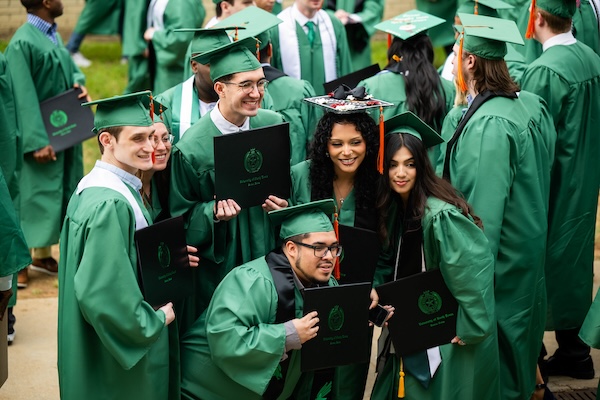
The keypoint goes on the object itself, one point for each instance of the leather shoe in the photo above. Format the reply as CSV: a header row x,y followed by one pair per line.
x,y
46,265
578,369
22,279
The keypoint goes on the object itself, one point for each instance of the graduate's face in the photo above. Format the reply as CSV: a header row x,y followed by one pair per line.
x,y
55,7
203,82
235,104
133,149
266,5
309,6
162,152
238,5
346,148
310,269
403,173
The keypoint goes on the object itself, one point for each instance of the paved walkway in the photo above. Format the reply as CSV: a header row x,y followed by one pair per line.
x,y
32,356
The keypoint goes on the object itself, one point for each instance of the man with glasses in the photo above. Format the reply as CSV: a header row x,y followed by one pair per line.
x,y
225,235
248,340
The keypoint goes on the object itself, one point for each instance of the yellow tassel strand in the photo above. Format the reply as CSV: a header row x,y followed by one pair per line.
x,y
401,382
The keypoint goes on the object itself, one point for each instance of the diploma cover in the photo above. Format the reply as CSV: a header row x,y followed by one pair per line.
x,y
425,311
253,164
67,122
361,253
343,336
353,78
163,266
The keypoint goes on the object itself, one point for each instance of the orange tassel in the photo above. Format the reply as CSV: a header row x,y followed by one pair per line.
x,y
258,50
389,40
476,9
336,229
236,34
160,113
460,79
401,381
531,24
381,135
151,108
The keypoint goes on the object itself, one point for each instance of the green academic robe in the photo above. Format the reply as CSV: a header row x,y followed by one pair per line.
x,y
514,13
454,244
359,34
40,70
171,99
572,91
169,46
287,94
222,245
441,35
134,45
501,165
237,342
100,17
311,62
111,343
590,330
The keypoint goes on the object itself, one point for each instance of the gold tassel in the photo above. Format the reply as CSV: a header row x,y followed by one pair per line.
x,y
401,382
476,9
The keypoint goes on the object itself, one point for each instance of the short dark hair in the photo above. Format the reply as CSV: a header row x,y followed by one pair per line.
x,y
218,10
555,23
32,4
296,238
113,130
225,78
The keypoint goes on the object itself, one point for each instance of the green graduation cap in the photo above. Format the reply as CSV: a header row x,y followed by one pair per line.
x,y
486,37
304,218
409,24
560,8
256,21
207,39
407,122
486,8
127,110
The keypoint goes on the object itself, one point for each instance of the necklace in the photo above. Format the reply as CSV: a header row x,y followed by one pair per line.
x,y
341,196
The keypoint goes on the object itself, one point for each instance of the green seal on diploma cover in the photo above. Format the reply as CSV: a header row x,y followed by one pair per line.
x,y
430,302
58,118
253,161
336,318
164,255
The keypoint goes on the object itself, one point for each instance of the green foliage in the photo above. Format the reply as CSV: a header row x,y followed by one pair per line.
x,y
379,54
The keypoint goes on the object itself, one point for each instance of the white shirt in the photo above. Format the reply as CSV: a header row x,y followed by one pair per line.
x,y
225,126
562,39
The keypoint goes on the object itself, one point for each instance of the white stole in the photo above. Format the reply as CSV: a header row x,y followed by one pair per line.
x,y
100,177
290,51
185,113
156,12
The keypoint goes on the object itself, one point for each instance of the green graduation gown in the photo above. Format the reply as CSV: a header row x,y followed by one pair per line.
x,y
572,91
100,17
170,47
501,165
111,343
359,34
171,99
454,244
40,69
134,46
237,342
442,35
311,62
287,94
225,244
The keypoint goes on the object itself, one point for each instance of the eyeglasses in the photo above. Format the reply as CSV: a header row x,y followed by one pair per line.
x,y
321,251
167,139
248,87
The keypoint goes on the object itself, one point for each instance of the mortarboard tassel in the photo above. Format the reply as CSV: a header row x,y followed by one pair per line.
x,y
151,107
531,24
401,380
381,135
258,51
235,38
389,40
160,113
336,229
460,78
476,9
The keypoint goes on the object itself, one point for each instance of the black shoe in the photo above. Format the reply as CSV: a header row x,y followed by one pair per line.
x,y
578,369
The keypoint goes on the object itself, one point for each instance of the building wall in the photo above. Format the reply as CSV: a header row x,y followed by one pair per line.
x,y
12,14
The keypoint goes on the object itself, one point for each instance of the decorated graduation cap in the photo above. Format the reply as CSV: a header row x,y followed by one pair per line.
x,y
485,37
254,22
135,109
483,7
408,122
408,24
560,8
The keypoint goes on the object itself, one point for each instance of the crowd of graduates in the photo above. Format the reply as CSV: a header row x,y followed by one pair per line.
x,y
486,169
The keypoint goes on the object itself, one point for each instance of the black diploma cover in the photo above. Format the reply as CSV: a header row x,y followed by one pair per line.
x,y
425,311
353,78
67,122
361,252
343,336
253,164
163,266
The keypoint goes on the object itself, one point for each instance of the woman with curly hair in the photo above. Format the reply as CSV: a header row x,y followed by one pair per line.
x,y
426,225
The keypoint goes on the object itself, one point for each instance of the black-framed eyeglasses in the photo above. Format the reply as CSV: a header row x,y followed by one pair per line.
x,y
320,250
248,87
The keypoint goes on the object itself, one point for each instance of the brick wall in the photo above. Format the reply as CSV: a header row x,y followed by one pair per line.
x,y
12,14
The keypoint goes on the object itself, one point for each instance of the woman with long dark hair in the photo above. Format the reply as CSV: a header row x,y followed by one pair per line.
x,y
426,226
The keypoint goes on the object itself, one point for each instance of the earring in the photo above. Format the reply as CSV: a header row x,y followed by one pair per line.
x,y
327,155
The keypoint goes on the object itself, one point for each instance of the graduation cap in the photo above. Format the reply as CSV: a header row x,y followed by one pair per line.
x,y
408,24
408,122
485,37
255,23
560,8
483,7
207,39
135,109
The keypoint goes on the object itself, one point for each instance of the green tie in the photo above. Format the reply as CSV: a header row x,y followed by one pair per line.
x,y
311,32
